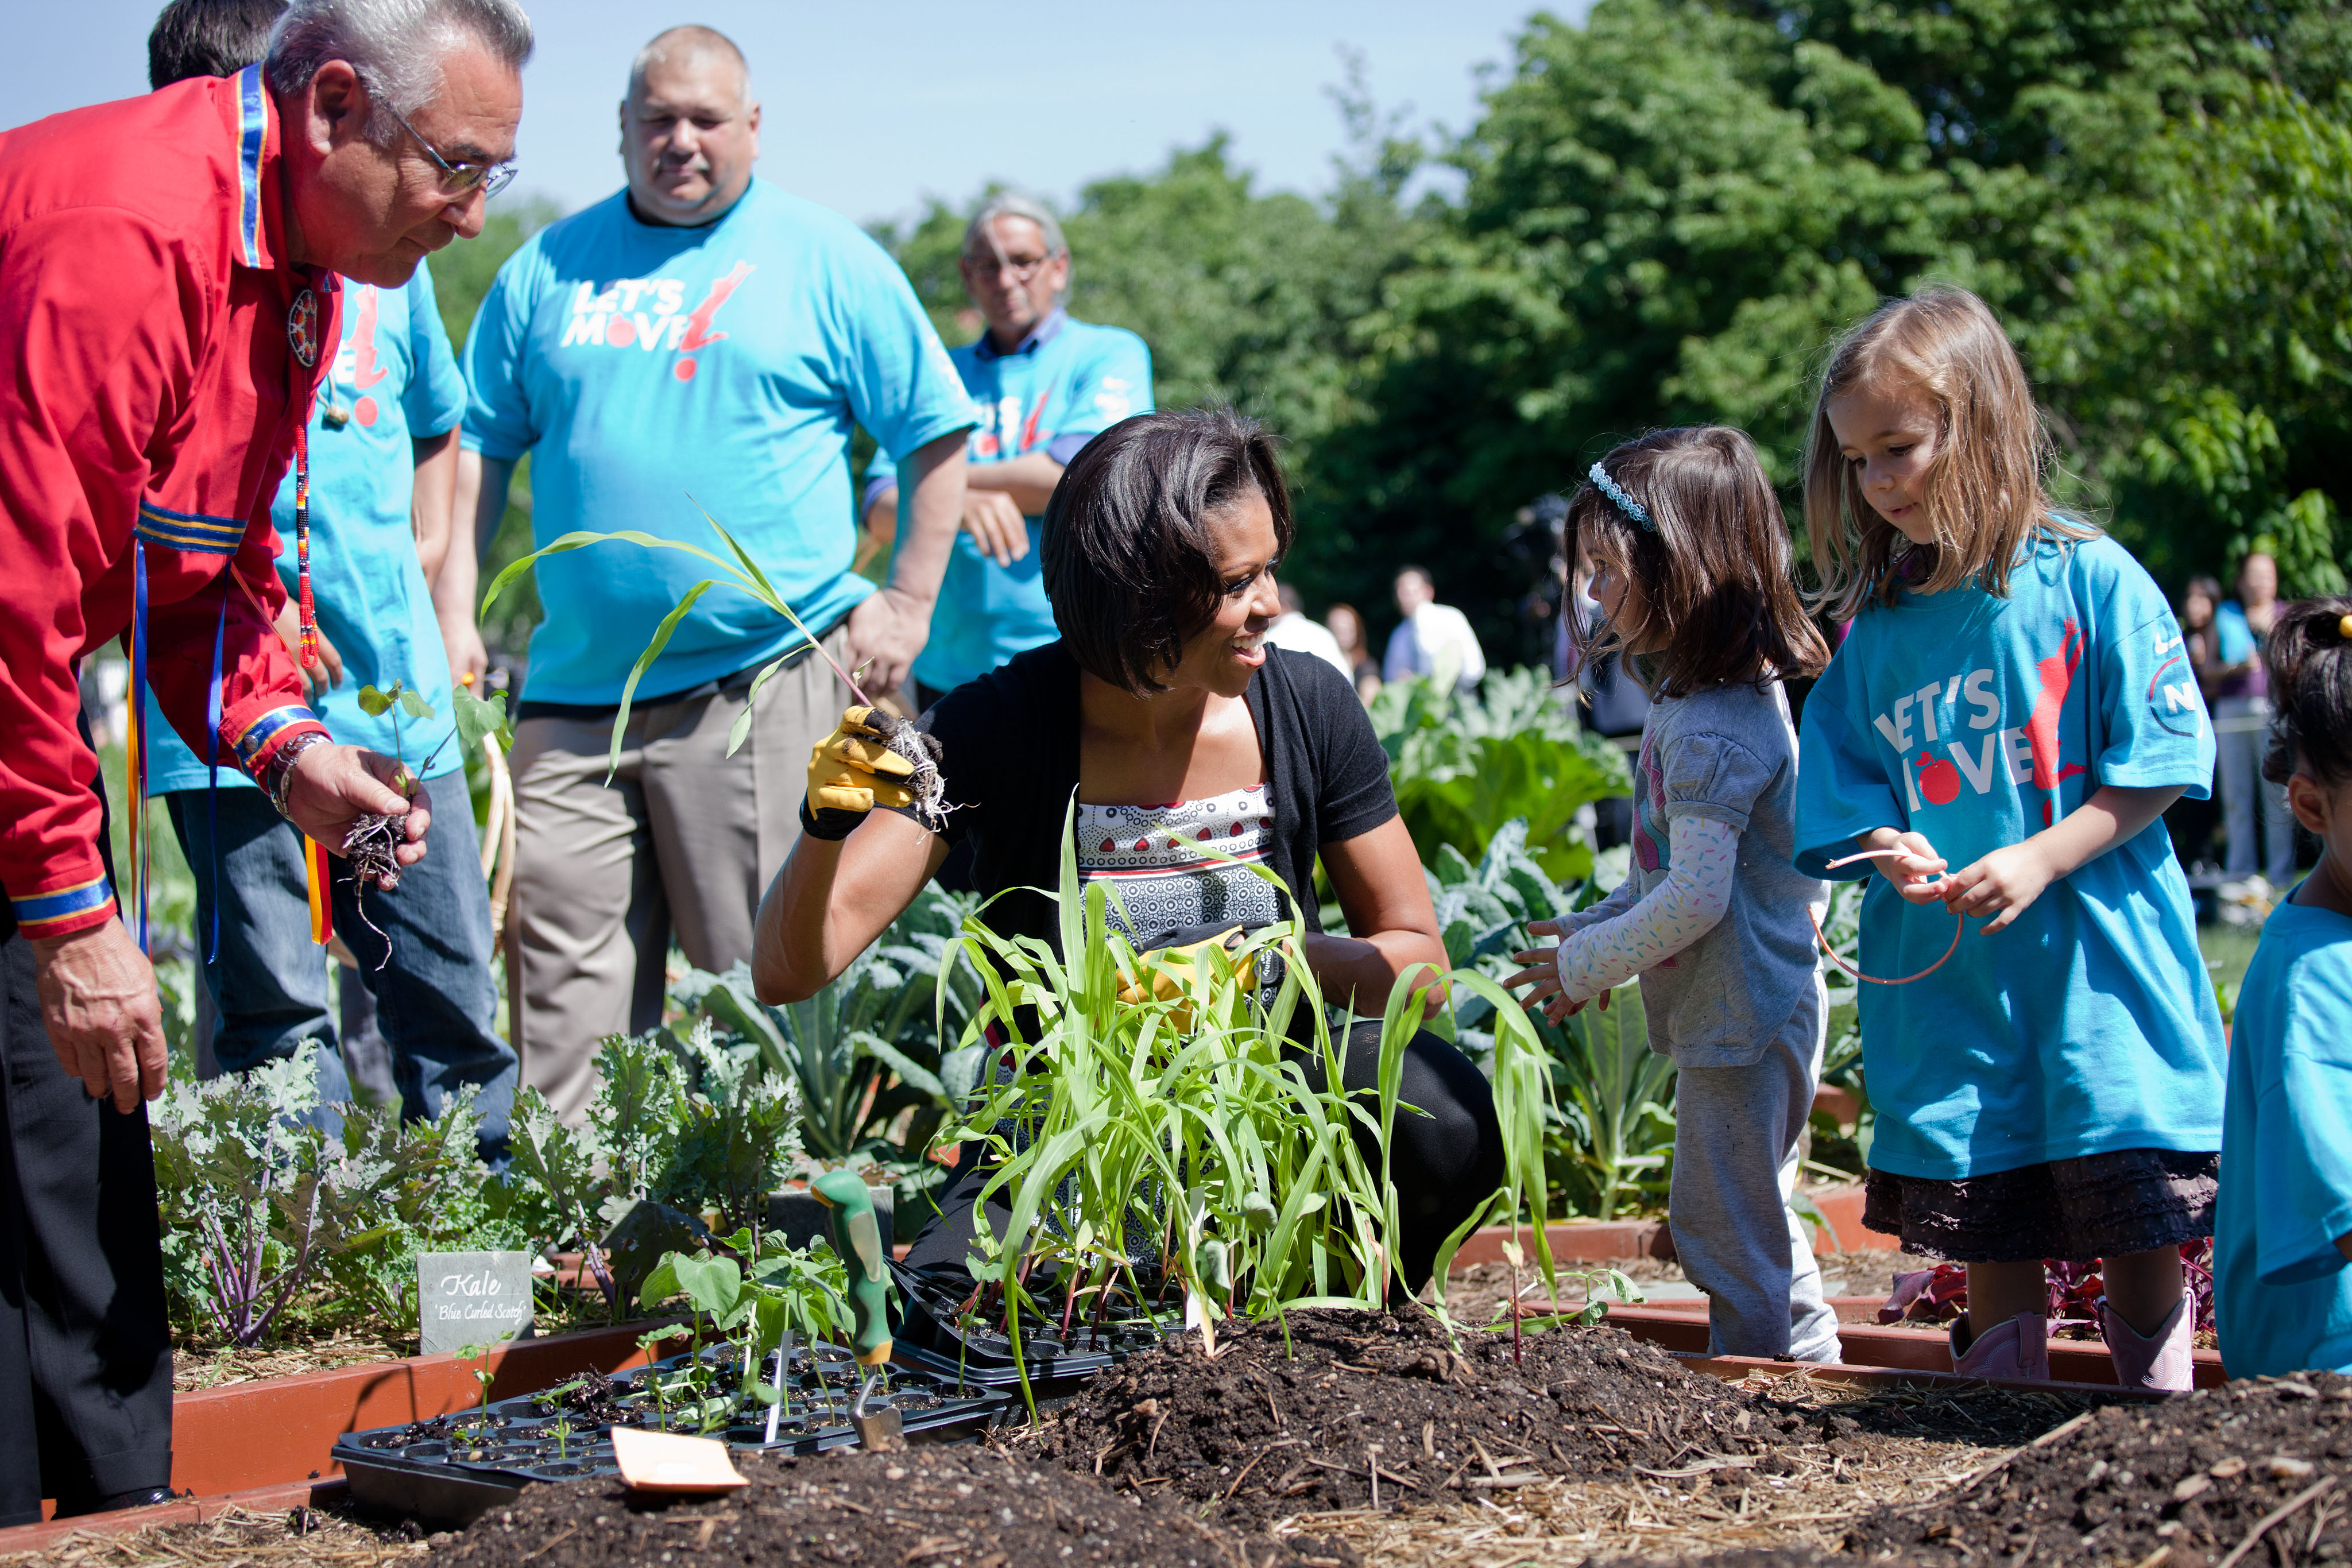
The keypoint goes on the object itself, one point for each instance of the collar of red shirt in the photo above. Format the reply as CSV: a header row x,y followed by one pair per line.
x,y
261,172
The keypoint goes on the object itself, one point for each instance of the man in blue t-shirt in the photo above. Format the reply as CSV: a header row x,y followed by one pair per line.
x,y
700,340
1044,385
383,456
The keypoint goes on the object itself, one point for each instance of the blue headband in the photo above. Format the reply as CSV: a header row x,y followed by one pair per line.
x,y
1616,492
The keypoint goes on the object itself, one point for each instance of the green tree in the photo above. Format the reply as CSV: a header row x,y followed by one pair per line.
x,y
1671,210
2209,346
1244,298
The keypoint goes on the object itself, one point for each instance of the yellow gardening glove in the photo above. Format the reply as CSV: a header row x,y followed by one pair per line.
x,y
1167,986
850,772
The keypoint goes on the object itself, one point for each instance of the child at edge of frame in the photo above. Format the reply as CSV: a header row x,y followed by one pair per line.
x,y
1689,559
2000,733
2282,1296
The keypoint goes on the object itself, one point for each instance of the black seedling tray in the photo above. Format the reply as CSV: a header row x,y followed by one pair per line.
x,y
446,1471
928,1328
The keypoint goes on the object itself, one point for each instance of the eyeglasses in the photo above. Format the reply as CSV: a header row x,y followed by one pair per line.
x,y
460,179
1020,271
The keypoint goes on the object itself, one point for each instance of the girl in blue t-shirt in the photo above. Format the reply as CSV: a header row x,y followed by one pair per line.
x,y
1689,556
2282,1294
2008,716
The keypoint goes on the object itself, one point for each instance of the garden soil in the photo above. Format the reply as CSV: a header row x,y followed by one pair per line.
x,y
939,1508
1273,1427
2259,1470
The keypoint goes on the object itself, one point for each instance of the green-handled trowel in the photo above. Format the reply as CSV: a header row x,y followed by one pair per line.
x,y
858,1239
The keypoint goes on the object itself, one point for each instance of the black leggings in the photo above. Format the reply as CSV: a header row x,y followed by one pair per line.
x,y
1444,1163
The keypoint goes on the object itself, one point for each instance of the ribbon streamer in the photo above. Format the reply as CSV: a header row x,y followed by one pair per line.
x,y
316,885
136,754
1959,923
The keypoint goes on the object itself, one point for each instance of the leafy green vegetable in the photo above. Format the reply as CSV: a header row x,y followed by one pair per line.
x,y
1462,767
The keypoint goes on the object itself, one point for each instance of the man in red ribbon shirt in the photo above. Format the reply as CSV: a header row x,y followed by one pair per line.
x,y
167,293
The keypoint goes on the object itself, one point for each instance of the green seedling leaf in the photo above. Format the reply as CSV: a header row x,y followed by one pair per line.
x,y
478,718
661,1284
415,707
374,703
712,1284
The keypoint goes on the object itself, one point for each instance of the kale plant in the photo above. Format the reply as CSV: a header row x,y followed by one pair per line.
x,y
245,1215
865,1049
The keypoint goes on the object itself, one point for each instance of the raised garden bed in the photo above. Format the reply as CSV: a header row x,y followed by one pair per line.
x,y
268,1442
1606,1240
1681,1328
1589,1444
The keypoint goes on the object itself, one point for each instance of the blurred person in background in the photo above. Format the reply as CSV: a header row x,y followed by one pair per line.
x,y
700,331
208,38
1346,624
1293,630
1433,640
2242,730
384,461
2192,822
1042,385
169,294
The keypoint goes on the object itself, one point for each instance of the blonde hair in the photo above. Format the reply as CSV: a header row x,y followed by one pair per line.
x,y
1985,492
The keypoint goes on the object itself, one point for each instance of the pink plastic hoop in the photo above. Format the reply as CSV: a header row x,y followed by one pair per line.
x,y
1959,923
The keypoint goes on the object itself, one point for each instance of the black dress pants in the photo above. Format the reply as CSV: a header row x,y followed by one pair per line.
x,y
1444,1164
85,1345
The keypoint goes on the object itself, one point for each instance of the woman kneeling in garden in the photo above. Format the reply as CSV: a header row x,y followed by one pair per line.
x,y
1160,550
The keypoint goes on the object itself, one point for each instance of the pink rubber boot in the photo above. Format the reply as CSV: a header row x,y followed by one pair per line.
x,y
2160,1360
2018,1348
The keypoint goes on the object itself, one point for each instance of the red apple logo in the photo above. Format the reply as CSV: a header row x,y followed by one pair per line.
x,y
1939,781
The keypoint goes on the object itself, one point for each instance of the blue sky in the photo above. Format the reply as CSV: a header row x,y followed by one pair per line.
x,y
872,109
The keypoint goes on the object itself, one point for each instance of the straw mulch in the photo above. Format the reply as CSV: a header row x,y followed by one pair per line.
x,y
1903,1447
236,1537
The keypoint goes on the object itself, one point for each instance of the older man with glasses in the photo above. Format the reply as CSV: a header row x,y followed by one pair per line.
x,y
1044,385
383,442
701,339
168,292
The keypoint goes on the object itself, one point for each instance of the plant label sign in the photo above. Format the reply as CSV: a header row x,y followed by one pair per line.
x,y
471,1297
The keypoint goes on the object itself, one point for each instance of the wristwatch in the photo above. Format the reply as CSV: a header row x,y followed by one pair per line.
x,y
277,773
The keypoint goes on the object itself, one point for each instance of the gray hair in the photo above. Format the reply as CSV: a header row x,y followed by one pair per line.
x,y
394,45
978,235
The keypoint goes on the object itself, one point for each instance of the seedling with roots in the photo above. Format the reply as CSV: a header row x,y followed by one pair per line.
x,y
370,842
743,573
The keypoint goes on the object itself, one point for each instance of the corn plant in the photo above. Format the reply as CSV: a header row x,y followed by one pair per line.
x,y
1188,1117
741,572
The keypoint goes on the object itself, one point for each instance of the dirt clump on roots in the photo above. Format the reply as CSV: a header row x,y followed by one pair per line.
x,y
922,752
1264,1431
940,1507
2257,1472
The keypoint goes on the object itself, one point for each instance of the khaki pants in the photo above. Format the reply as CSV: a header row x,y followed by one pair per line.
x,y
679,845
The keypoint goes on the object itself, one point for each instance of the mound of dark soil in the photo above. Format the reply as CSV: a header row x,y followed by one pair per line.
x,y
2196,1475
927,1508
1266,1429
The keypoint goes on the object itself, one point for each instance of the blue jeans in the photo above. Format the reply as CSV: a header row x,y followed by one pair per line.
x,y
426,958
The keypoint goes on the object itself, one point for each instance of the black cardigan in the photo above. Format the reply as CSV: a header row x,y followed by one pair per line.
x,y
1011,761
